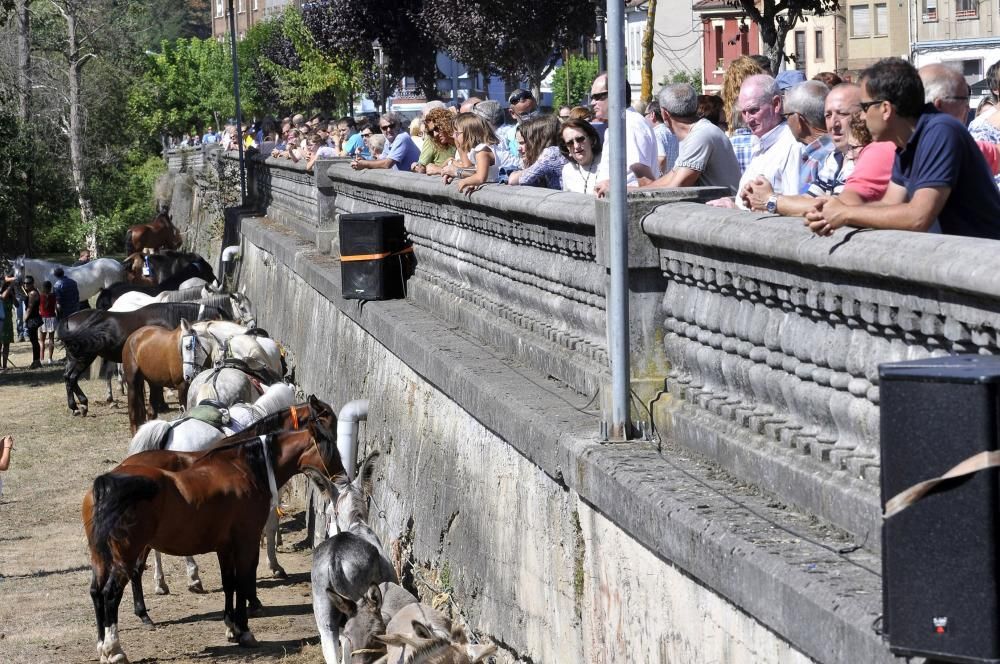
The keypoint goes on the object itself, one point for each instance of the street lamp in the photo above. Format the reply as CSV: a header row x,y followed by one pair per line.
x,y
600,43
379,56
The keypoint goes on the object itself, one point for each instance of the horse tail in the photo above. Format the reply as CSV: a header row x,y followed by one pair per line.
x,y
114,495
151,436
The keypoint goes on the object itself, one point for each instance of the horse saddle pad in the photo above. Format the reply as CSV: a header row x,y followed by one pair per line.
x,y
209,415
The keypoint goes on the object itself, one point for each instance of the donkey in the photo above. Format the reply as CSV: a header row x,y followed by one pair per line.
x,y
419,634
348,563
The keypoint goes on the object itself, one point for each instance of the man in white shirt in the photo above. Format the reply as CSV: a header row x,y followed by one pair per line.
x,y
706,156
779,156
640,140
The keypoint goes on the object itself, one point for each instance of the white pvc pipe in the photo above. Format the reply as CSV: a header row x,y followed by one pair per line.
x,y
229,254
347,433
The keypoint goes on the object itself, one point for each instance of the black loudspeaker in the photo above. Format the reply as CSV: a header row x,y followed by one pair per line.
x,y
940,585
375,256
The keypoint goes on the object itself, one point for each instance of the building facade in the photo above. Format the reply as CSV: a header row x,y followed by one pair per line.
x,y
248,13
875,29
726,35
817,44
962,33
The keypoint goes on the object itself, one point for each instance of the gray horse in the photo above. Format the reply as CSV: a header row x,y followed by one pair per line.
x,y
347,564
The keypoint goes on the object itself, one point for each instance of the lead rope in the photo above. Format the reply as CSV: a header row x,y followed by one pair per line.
x,y
270,473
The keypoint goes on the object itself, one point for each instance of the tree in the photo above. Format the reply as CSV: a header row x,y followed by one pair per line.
x,y
776,19
581,73
646,89
518,39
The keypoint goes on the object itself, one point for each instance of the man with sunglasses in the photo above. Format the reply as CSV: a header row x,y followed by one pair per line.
x,y
940,179
641,159
399,152
522,105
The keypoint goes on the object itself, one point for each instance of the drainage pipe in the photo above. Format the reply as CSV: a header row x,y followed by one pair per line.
x,y
347,433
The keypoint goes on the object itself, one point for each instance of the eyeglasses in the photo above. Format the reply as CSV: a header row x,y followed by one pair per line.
x,y
599,96
519,97
577,140
785,116
955,98
385,128
865,105
854,148
564,117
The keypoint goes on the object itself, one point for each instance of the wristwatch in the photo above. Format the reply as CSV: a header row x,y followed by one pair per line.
x,y
772,203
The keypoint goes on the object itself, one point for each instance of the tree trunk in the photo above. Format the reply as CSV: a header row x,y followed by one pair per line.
x,y
646,92
75,67
24,83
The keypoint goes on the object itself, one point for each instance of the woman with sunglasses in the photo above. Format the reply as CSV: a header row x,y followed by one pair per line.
x,y
582,147
439,144
543,162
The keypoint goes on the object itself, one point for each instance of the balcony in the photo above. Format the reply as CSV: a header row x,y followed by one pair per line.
x,y
929,16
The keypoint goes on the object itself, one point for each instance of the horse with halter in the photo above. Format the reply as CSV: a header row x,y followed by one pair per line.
x,y
91,333
165,266
192,435
160,233
214,501
90,278
162,358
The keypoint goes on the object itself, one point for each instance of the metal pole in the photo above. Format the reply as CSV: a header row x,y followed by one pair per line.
x,y
599,36
239,111
618,341
381,78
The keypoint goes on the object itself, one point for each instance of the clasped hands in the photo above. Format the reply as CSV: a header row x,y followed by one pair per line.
x,y
826,215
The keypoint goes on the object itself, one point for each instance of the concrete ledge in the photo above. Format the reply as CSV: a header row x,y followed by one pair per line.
x,y
778,566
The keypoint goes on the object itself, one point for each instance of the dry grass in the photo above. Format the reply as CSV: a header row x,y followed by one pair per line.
x,y
45,610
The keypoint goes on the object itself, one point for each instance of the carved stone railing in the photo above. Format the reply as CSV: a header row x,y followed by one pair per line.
x,y
775,336
187,159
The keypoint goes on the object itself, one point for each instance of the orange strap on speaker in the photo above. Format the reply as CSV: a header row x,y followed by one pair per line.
x,y
972,465
375,257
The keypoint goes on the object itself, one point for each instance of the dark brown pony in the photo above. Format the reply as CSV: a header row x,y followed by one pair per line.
x,y
158,234
154,355
219,502
313,412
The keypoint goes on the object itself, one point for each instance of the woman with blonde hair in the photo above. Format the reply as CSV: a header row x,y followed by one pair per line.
x,y
477,163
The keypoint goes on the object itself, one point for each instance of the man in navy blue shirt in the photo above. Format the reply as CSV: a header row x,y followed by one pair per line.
x,y
939,175
67,295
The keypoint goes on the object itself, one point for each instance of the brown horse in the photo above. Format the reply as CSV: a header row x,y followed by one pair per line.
x,y
162,358
296,418
158,234
219,503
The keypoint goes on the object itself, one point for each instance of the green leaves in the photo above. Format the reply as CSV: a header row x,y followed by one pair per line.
x,y
581,73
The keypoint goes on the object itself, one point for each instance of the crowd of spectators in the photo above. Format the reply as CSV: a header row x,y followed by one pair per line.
x,y
894,150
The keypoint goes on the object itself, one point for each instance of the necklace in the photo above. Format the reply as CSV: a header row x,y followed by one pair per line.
x,y
586,180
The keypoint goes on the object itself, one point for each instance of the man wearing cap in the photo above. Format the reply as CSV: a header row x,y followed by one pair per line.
x,y
522,106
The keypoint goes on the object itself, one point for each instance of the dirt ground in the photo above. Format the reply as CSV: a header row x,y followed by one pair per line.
x,y
45,610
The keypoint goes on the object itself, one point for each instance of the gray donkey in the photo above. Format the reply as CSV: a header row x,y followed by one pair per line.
x,y
349,562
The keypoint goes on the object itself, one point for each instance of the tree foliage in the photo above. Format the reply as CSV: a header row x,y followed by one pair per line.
x,y
520,40
776,18
581,73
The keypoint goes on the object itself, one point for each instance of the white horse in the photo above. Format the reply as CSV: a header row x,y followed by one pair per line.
x,y
223,386
90,278
193,282
232,340
191,435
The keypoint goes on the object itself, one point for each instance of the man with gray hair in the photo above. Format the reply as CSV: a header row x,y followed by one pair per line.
x,y
399,152
705,156
779,155
947,90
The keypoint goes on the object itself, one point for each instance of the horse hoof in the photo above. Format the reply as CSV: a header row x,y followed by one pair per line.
x,y
161,589
247,640
74,412
279,573
83,411
255,609
148,622
197,588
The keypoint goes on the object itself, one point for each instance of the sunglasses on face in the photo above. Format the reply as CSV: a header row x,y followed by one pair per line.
x,y
386,128
576,140
514,99
599,96
865,105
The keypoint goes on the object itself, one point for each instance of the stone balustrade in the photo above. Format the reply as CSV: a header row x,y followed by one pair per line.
x,y
774,337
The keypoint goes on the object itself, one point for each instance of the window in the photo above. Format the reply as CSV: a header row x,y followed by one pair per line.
x,y
861,20
972,70
800,50
930,14
966,8
240,9
219,7
819,45
881,19
719,39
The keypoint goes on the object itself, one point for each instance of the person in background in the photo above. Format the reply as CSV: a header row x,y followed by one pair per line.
x,y
6,447
83,259
210,137
564,112
710,107
366,134
417,132
763,62
581,146
507,161
33,321
581,113
829,78
522,106
474,143
399,152
640,141
7,287
376,143
318,149
47,333
439,143
740,135
666,142
543,160
67,295
347,141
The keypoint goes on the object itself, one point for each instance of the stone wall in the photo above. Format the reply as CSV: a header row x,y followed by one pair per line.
x,y
755,355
